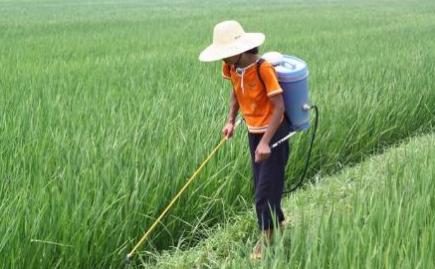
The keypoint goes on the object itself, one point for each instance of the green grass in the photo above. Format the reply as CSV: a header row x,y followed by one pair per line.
x,y
105,111
378,214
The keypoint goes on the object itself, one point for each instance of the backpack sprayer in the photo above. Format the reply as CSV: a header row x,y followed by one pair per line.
x,y
292,74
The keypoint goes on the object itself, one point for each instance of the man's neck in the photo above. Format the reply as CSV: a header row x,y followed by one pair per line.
x,y
247,59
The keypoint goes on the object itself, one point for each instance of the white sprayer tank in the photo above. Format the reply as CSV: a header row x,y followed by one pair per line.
x,y
292,74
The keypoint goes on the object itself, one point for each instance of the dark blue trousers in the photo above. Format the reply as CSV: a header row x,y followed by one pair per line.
x,y
269,178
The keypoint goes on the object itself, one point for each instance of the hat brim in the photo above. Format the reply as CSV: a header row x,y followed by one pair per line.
x,y
244,43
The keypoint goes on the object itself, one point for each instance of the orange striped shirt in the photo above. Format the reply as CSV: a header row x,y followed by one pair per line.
x,y
252,95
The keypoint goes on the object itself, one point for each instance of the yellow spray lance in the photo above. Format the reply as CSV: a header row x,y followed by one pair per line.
x,y
154,225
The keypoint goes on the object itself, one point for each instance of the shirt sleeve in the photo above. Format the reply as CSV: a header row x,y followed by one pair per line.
x,y
226,74
270,80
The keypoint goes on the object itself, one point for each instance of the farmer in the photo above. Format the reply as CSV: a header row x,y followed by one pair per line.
x,y
261,103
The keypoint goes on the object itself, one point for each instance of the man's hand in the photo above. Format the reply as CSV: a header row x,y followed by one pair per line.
x,y
228,130
262,152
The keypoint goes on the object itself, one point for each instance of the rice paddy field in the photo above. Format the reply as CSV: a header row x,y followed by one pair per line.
x,y
105,111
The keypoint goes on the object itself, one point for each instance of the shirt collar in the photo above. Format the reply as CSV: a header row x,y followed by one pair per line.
x,y
240,70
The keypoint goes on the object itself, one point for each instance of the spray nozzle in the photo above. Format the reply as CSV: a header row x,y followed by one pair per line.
x,y
306,107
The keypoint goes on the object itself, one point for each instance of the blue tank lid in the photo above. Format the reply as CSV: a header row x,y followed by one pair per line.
x,y
288,68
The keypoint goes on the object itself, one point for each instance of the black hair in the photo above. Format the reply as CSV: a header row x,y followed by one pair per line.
x,y
253,51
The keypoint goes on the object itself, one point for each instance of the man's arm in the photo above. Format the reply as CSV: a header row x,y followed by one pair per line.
x,y
234,108
263,149
228,130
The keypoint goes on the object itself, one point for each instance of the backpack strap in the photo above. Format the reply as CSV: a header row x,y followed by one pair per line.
x,y
259,62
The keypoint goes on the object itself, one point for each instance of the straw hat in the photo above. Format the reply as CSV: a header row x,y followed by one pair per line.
x,y
229,39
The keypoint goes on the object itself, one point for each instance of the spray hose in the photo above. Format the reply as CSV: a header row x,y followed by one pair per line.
x,y
307,161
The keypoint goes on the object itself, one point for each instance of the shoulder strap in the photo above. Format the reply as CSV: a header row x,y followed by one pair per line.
x,y
260,61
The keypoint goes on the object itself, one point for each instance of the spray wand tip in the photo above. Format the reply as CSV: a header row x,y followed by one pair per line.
x,y
128,258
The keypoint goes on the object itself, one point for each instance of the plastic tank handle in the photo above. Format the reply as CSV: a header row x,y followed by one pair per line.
x,y
289,65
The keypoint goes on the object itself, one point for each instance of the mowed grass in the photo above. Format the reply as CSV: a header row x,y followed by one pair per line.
x,y
378,214
105,111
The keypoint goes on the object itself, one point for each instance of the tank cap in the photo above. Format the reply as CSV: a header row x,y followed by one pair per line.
x,y
273,57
